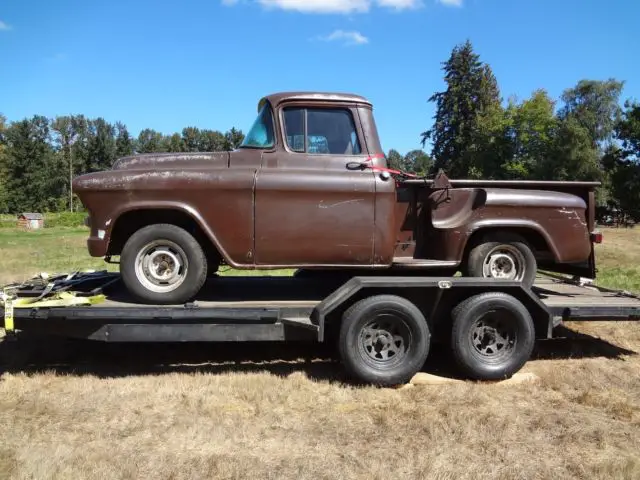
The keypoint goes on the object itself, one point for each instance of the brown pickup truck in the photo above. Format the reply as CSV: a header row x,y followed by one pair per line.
x,y
308,189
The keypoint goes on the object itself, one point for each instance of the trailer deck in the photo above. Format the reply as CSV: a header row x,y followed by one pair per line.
x,y
234,308
376,318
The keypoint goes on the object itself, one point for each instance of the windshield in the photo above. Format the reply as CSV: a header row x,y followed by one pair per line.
x,y
261,133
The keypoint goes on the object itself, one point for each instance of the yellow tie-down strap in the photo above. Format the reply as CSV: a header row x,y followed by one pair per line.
x,y
8,311
62,299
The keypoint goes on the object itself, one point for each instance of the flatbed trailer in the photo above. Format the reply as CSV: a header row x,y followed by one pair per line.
x,y
383,325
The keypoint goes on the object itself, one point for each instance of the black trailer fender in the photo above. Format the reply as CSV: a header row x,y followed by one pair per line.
x,y
436,297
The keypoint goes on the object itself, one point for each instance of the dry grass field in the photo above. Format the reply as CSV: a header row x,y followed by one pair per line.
x,y
72,410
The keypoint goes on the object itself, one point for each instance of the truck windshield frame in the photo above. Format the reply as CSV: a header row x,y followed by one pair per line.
x,y
262,132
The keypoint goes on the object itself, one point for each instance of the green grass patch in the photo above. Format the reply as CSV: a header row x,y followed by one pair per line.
x,y
620,278
61,248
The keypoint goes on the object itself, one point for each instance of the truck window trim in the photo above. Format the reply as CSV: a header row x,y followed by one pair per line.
x,y
274,139
305,109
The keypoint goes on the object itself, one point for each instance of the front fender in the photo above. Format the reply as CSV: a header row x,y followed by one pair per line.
x,y
102,228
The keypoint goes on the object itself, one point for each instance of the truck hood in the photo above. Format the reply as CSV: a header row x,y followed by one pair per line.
x,y
169,161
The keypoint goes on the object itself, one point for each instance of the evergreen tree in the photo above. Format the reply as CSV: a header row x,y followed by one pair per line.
x,y
34,177
172,143
191,140
149,141
124,143
64,137
101,145
468,112
4,195
233,139
211,141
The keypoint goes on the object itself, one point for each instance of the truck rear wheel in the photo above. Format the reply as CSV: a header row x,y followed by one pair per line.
x,y
492,336
163,264
505,257
384,340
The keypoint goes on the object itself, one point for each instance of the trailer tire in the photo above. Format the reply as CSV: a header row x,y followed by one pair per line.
x,y
492,336
503,256
163,264
384,340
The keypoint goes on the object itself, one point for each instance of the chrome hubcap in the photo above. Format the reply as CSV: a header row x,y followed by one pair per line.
x,y
161,266
504,262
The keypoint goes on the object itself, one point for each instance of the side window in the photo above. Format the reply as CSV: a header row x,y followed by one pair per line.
x,y
294,128
327,131
261,133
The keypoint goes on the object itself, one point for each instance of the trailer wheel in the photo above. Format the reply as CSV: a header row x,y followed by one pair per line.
x,y
505,257
384,340
492,337
163,264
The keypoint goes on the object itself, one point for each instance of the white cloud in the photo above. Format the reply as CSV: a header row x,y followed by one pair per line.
x,y
347,38
4,26
399,4
319,6
451,3
333,6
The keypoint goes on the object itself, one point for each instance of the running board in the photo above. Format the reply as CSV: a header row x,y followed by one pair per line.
x,y
410,262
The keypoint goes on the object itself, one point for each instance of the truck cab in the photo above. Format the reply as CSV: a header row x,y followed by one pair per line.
x,y
335,215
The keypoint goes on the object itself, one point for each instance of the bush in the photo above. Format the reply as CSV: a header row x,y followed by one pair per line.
x,y
64,219
7,221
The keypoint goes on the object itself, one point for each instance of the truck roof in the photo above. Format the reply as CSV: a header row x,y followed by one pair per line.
x,y
279,97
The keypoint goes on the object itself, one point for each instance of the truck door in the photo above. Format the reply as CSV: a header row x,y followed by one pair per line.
x,y
310,209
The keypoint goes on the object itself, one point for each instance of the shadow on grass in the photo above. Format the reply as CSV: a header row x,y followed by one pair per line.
x,y
318,361
568,344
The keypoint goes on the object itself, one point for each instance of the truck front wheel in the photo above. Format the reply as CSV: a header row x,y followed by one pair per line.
x,y
384,340
505,257
163,264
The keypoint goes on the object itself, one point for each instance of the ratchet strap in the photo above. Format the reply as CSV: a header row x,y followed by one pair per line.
x,y
62,299
368,164
8,311
56,300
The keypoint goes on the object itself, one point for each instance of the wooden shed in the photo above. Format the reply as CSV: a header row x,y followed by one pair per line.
x,y
30,221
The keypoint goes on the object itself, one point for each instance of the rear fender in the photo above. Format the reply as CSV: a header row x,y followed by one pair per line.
x,y
488,225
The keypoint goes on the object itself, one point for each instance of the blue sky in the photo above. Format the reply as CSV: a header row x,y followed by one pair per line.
x,y
167,64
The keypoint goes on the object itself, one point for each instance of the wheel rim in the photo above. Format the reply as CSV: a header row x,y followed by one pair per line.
x,y
385,340
493,337
504,262
161,266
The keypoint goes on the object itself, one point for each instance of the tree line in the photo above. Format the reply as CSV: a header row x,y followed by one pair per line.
x,y
586,135
39,155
